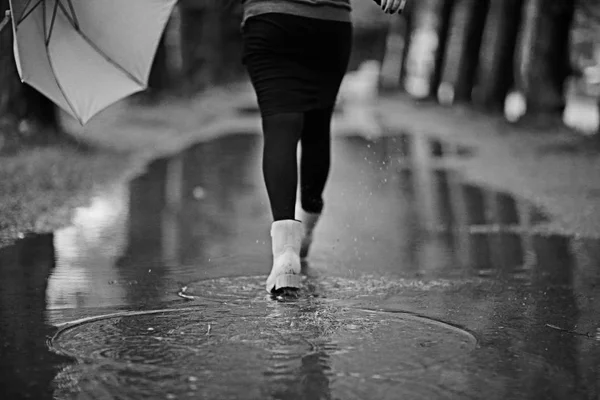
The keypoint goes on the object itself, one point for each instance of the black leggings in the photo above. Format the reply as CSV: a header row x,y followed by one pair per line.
x,y
282,132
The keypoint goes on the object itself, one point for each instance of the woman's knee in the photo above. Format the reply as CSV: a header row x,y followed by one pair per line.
x,y
317,123
284,125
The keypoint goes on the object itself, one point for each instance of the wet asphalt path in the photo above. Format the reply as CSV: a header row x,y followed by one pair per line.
x,y
419,286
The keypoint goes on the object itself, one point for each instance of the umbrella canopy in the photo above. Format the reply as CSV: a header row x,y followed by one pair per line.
x,y
87,54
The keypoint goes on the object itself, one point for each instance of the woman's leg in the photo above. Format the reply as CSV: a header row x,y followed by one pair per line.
x,y
280,165
314,170
315,160
281,135
280,169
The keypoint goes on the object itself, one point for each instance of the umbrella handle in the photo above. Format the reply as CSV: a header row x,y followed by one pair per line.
x,y
5,20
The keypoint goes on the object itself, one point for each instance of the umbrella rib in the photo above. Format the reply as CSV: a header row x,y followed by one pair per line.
x,y
110,60
75,25
74,14
52,23
21,18
72,18
62,90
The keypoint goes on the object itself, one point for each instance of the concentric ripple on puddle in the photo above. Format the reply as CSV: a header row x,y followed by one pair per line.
x,y
259,350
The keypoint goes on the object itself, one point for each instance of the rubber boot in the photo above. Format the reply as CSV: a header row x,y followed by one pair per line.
x,y
309,221
286,236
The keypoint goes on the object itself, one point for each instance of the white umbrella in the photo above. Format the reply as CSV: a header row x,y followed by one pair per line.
x,y
87,54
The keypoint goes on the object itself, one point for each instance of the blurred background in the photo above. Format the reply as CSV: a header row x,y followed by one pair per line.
x,y
535,61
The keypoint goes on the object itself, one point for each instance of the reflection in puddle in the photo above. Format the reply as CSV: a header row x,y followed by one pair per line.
x,y
27,366
86,253
414,215
188,214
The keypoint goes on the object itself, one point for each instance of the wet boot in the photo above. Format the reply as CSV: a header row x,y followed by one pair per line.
x,y
286,236
309,221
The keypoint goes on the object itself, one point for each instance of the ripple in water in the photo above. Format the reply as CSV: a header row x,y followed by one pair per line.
x,y
252,287
259,350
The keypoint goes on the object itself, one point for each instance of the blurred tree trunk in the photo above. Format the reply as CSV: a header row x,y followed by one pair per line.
x,y
495,75
159,79
368,44
40,111
585,42
210,43
166,66
393,61
445,15
232,67
198,27
464,42
10,87
408,31
544,59
427,47
213,42
371,27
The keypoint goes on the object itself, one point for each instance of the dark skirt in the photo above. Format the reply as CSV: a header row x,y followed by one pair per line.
x,y
295,63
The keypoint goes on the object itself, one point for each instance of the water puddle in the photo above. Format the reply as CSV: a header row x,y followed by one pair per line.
x,y
402,231
272,350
